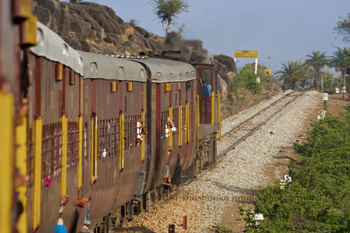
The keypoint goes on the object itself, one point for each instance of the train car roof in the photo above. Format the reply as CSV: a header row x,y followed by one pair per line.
x,y
111,68
53,47
163,70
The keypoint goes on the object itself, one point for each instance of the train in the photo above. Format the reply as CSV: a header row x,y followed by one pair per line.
x,y
90,139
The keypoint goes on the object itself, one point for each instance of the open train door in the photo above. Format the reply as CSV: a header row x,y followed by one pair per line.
x,y
208,114
206,89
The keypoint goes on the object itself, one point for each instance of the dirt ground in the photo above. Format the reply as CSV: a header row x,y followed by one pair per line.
x,y
231,218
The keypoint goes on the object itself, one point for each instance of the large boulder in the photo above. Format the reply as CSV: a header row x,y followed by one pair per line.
x,y
45,17
222,87
97,25
227,61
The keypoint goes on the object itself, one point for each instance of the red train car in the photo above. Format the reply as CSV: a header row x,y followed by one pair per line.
x,y
171,118
209,128
54,129
116,108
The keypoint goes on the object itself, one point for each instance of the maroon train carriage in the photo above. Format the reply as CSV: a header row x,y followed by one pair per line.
x,y
114,114
54,130
209,128
171,118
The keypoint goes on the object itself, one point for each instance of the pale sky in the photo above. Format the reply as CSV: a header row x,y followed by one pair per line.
x,y
281,30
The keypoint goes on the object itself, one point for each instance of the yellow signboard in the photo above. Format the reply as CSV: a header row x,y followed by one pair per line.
x,y
268,71
246,53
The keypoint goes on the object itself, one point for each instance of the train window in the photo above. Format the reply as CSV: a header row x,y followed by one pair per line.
x,y
206,77
57,150
129,133
109,137
40,37
133,128
114,87
176,120
143,73
115,136
80,61
165,133
139,132
158,75
121,71
65,50
93,69
72,145
47,150
187,75
192,74
102,137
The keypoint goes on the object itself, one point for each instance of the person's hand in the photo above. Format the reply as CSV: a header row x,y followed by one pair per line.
x,y
64,199
82,202
94,179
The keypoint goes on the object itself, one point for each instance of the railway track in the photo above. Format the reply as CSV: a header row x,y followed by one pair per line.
x,y
246,128
239,133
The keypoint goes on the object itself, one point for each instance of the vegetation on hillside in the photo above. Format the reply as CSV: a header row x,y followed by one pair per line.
x,y
248,80
318,198
167,10
244,90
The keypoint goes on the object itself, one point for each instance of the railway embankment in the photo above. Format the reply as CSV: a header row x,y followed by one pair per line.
x,y
214,198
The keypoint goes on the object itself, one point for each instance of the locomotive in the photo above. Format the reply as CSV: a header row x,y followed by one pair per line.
x,y
116,132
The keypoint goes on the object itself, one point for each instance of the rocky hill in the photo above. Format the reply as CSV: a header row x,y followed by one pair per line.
x,y
95,28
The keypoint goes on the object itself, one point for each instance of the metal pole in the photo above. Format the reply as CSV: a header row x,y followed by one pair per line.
x,y
256,65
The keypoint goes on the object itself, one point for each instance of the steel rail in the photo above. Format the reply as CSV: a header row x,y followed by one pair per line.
x,y
256,128
252,117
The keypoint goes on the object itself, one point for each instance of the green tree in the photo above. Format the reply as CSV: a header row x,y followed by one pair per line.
x,y
341,61
248,79
74,1
317,61
291,73
308,81
167,10
343,27
330,82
